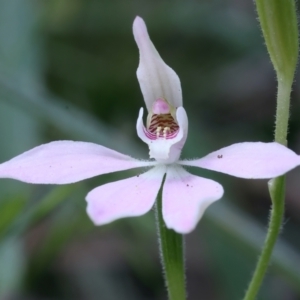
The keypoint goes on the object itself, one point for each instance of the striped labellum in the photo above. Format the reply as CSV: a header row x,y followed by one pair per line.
x,y
161,122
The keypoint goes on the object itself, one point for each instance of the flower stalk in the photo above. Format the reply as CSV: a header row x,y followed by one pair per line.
x,y
283,109
278,21
171,246
277,192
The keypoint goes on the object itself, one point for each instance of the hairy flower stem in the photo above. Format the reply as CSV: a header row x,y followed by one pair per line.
x,y
277,192
278,21
277,211
172,255
283,109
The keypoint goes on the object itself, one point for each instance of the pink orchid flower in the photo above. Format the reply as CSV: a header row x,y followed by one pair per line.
x,y
185,196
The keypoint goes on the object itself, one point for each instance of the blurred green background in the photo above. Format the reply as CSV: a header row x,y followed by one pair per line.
x,y
67,71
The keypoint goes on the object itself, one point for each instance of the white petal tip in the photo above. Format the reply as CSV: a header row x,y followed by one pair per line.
x,y
138,19
139,26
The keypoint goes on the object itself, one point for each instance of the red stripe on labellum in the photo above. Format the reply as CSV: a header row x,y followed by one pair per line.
x,y
162,126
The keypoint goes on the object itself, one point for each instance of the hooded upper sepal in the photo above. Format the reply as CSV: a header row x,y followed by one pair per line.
x,y
156,79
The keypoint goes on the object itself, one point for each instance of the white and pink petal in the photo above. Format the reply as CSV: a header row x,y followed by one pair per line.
x,y
130,197
249,160
157,80
64,162
186,197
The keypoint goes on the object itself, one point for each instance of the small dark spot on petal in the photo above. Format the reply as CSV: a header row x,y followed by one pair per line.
x,y
187,185
220,156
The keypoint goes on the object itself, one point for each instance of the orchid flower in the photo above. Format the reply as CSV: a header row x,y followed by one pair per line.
x,y
185,196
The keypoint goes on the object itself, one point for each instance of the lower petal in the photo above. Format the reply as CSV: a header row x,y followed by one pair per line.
x,y
124,198
186,197
249,160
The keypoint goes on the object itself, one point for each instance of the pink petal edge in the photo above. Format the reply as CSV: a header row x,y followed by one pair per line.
x,y
249,160
64,162
186,197
124,198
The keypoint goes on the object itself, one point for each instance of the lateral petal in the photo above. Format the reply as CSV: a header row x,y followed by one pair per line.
x,y
124,198
157,80
186,197
63,162
249,160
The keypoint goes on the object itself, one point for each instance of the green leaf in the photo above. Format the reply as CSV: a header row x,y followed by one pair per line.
x,y
278,21
12,262
10,208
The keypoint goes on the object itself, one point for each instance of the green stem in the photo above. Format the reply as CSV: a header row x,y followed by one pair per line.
x,y
283,109
276,189
275,222
172,255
